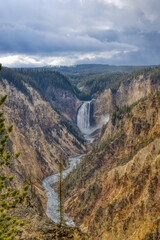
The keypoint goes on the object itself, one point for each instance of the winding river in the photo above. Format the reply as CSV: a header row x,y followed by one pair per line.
x,y
83,122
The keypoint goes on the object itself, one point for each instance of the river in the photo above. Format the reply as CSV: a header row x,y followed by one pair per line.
x,y
83,123
52,203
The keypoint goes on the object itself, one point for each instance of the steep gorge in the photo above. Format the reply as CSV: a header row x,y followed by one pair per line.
x,y
115,189
40,134
114,192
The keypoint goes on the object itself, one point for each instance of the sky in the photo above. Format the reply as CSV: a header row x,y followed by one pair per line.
x,y
68,32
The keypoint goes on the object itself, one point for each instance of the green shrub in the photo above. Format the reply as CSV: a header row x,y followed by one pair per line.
x,y
9,196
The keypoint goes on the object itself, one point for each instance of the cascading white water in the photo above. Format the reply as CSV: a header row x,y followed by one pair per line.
x,y
83,117
84,121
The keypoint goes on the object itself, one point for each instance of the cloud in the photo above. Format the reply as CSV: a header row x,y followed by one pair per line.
x,y
75,31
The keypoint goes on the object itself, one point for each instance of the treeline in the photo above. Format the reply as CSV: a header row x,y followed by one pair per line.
x,y
39,79
155,75
152,72
18,80
92,68
96,83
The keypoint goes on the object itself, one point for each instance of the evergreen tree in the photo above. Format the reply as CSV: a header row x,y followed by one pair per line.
x,y
60,191
9,197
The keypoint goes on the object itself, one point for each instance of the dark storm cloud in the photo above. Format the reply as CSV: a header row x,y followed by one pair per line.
x,y
76,31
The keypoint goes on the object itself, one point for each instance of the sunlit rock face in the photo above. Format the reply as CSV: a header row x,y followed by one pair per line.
x,y
129,91
103,105
117,196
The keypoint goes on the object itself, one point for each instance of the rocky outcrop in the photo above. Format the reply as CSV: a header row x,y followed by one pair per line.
x,y
133,89
116,193
38,228
103,105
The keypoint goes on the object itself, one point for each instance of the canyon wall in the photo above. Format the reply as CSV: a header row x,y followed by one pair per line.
x,y
40,134
129,91
63,101
117,189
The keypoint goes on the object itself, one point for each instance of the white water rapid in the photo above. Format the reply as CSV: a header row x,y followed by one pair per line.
x,y
52,203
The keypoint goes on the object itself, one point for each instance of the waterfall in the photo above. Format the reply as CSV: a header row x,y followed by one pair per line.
x,y
83,117
84,121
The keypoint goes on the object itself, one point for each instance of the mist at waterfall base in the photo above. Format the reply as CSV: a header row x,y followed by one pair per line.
x,y
84,121
52,203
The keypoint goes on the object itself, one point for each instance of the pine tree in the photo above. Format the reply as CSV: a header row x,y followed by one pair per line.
x,y
9,197
60,191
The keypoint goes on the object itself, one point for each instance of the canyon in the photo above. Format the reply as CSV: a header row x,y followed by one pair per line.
x,y
114,192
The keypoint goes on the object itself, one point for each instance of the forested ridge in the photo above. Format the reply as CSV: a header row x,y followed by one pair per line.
x,y
39,80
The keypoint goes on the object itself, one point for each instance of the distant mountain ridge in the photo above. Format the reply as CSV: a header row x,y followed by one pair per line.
x,y
92,68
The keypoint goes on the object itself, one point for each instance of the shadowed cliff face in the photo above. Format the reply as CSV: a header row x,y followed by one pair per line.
x,y
40,134
117,189
63,101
